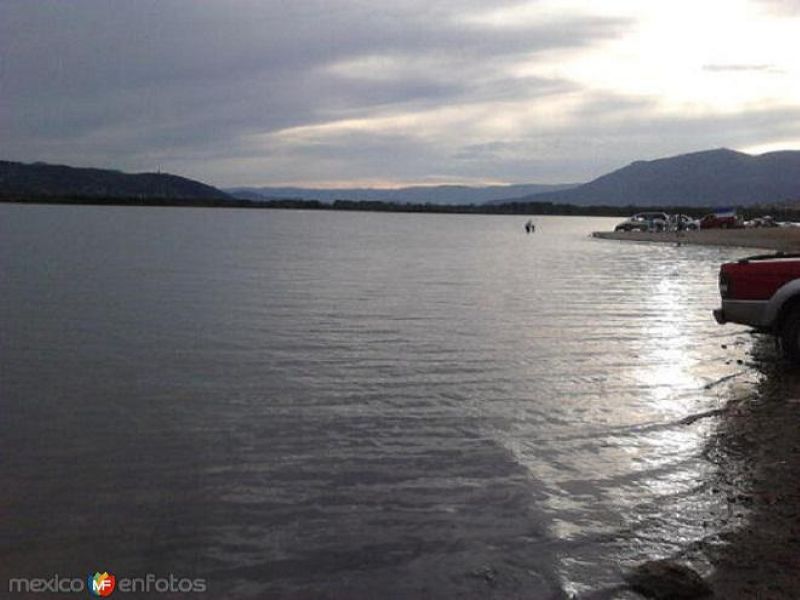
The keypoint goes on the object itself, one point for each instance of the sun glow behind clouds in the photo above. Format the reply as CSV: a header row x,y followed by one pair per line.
x,y
773,147
708,56
714,56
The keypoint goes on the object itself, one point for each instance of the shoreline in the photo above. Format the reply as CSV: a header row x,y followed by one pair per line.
x,y
530,209
786,239
756,450
757,444
750,545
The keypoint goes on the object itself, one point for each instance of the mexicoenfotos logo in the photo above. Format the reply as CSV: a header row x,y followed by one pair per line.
x,y
101,584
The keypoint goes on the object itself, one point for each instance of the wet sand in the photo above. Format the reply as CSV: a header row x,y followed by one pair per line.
x,y
757,448
754,550
786,239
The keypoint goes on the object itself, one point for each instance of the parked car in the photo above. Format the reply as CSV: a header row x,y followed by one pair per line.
x,y
765,221
645,221
764,292
683,223
720,221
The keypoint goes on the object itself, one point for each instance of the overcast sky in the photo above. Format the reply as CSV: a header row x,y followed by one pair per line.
x,y
386,93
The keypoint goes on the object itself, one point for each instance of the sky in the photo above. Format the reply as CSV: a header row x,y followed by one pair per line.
x,y
379,93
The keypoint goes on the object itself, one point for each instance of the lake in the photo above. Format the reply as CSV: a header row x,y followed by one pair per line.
x,y
301,404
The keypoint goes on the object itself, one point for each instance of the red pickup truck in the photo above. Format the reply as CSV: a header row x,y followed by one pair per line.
x,y
764,292
720,221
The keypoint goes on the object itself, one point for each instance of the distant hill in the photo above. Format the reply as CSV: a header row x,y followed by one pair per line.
x,y
711,178
439,194
40,179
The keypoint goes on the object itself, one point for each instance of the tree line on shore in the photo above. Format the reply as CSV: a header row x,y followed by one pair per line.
x,y
780,213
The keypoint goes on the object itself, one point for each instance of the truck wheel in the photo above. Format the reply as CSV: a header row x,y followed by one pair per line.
x,y
790,335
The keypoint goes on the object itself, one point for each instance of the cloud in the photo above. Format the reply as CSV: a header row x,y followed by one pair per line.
x,y
456,144
119,81
781,7
741,68
272,91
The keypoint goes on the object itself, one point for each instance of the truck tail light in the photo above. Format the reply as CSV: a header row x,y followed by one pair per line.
x,y
725,285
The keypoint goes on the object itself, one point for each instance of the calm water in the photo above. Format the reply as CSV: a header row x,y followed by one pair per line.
x,y
332,405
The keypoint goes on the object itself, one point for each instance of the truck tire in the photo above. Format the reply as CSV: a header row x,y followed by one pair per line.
x,y
790,335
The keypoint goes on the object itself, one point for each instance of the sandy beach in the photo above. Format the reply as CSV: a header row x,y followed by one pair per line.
x,y
785,239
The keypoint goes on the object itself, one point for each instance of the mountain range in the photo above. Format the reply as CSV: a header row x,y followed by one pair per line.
x,y
421,194
719,177
41,179
711,178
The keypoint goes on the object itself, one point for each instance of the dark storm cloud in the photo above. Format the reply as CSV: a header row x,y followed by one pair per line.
x,y
116,83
